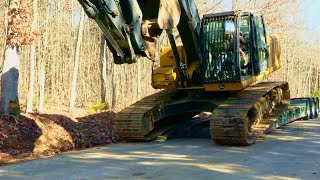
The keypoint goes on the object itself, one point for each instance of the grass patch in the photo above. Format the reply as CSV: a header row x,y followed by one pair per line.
x,y
96,107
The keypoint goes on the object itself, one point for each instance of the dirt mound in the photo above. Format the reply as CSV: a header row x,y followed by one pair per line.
x,y
37,135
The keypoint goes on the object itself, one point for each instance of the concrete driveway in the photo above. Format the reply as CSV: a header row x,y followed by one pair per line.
x,y
292,152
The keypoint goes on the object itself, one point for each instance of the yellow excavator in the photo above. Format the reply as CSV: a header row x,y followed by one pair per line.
x,y
214,72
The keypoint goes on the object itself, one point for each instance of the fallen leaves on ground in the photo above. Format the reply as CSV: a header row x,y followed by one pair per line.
x,y
40,135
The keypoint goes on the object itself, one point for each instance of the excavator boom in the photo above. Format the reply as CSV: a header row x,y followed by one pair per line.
x,y
132,27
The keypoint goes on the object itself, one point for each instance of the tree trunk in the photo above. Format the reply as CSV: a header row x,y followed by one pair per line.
x,y
104,78
9,83
42,73
114,87
76,62
31,79
32,58
6,25
139,80
42,85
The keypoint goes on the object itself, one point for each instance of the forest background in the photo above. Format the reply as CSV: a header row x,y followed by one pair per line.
x,y
50,64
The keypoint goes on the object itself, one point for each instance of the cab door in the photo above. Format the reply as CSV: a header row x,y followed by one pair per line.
x,y
245,46
260,48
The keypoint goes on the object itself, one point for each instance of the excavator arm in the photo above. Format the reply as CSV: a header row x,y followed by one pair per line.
x,y
132,27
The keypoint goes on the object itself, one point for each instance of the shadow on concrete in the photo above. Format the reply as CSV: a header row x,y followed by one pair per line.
x,y
287,153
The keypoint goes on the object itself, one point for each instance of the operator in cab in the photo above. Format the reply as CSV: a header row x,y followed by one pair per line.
x,y
244,60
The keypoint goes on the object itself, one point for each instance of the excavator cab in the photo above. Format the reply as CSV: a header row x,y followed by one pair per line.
x,y
234,47
234,53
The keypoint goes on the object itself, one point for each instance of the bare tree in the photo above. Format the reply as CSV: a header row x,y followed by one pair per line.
x,y
17,16
104,68
32,58
76,61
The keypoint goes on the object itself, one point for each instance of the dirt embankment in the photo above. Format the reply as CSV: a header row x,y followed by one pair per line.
x,y
39,135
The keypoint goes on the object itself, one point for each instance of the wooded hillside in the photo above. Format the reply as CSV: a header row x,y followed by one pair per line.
x,y
54,52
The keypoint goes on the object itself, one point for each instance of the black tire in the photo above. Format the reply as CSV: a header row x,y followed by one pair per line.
x,y
307,110
312,108
316,106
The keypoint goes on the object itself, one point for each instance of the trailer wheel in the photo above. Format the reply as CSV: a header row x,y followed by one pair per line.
x,y
316,107
312,108
307,117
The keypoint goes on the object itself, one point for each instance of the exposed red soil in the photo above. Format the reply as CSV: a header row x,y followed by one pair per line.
x,y
40,135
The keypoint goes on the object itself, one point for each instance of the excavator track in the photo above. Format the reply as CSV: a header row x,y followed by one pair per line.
x,y
246,115
237,119
136,122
